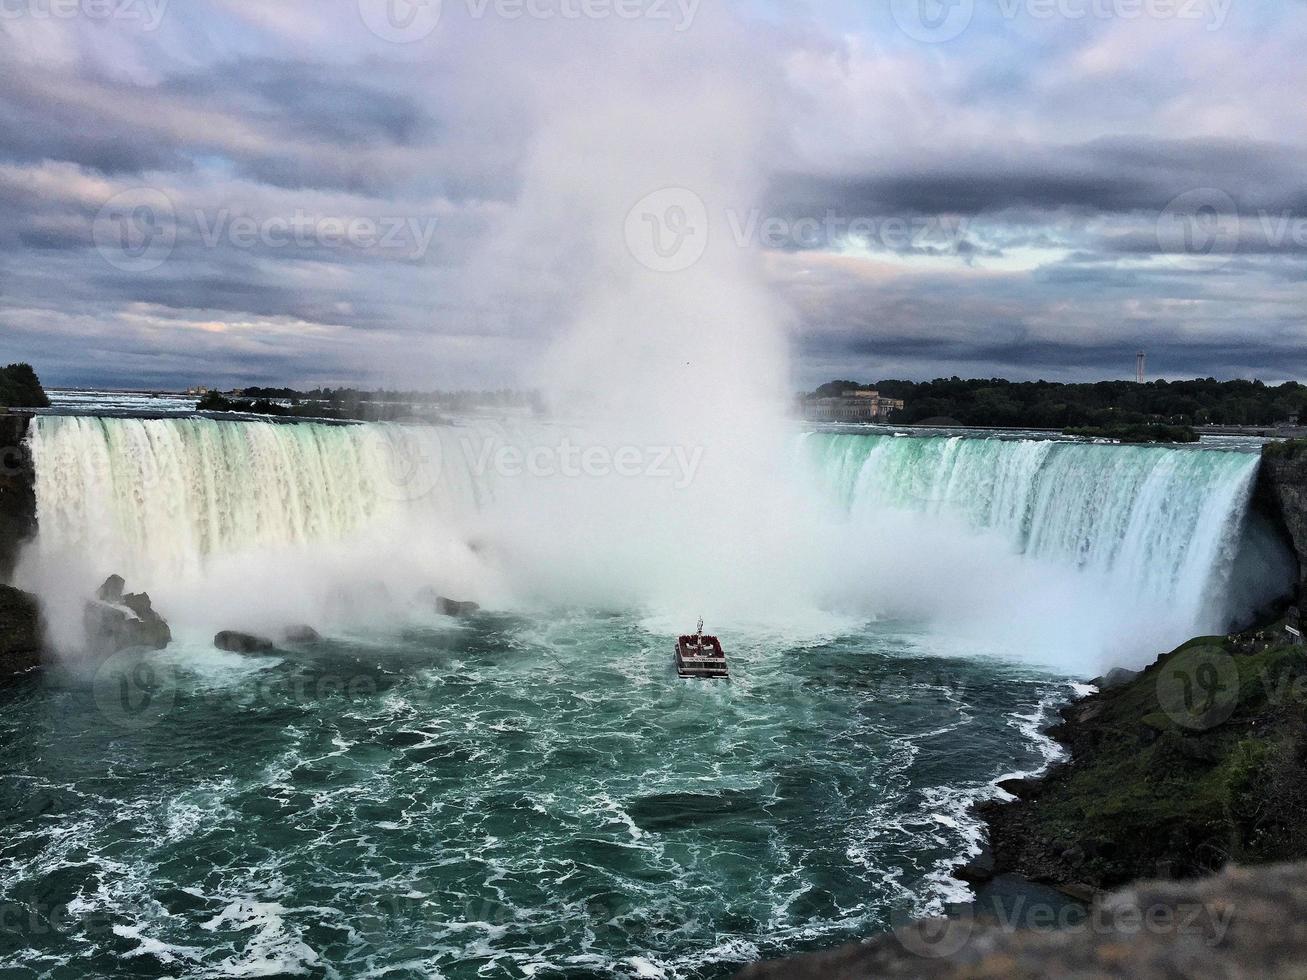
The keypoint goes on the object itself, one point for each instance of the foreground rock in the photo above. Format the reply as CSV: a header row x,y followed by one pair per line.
x,y
117,621
1199,760
1246,924
1281,493
234,642
17,490
20,632
446,607
301,635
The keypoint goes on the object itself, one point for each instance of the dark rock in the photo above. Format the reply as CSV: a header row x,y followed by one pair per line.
x,y
1281,494
236,642
301,635
112,590
20,631
1022,788
444,606
1245,924
116,622
1117,677
1074,856
978,870
1079,891
17,490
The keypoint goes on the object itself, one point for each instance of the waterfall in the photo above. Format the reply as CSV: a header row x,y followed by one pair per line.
x,y
1164,526
1061,552
159,496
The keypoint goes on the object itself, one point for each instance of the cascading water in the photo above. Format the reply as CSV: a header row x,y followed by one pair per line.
x,y
157,497
1164,525
531,791
1064,553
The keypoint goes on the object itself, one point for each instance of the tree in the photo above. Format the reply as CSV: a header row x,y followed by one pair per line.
x,y
21,388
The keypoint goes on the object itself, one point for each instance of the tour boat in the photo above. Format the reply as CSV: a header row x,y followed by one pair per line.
x,y
701,656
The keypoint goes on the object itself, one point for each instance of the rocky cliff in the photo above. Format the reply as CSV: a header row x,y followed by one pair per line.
x,y
20,632
17,490
1243,923
1282,495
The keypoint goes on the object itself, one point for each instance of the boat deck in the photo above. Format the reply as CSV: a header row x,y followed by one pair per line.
x,y
701,657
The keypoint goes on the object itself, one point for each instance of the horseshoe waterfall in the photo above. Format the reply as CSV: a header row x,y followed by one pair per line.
x,y
525,789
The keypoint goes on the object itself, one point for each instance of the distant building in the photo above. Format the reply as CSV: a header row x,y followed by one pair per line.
x,y
198,390
852,406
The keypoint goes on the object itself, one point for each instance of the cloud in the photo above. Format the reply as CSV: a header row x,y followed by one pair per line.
x,y
1057,150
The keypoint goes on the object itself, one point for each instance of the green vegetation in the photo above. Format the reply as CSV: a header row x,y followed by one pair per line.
x,y
363,406
20,388
1050,405
1155,788
1144,432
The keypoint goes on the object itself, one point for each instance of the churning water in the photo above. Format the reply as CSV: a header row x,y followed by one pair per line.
x,y
531,791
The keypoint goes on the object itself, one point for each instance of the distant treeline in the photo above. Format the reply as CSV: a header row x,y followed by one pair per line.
x,y
21,388
501,398
1047,404
356,405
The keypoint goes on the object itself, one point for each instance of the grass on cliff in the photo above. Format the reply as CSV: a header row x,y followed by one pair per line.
x,y
1148,794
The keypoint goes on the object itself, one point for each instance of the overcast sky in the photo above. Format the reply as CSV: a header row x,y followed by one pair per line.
x,y
270,191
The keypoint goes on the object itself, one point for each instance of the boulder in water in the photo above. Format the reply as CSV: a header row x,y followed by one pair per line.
x,y
301,635
115,621
445,606
112,590
236,642
20,631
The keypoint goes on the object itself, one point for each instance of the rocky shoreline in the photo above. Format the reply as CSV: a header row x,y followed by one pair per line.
x,y
1183,772
1195,763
